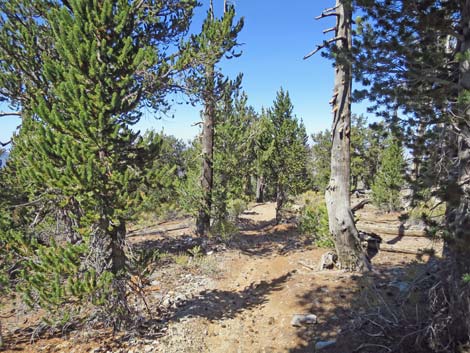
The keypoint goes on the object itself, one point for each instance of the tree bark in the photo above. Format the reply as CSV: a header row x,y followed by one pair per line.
x,y
118,256
458,205
204,216
1,336
341,222
280,198
260,189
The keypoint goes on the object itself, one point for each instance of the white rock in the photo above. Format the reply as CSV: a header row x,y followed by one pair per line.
x,y
299,319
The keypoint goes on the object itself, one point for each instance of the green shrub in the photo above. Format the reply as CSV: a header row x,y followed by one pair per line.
x,y
313,220
235,208
428,210
224,229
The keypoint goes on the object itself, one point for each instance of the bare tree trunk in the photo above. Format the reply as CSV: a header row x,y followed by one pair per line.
x,y
107,255
260,189
118,257
1,336
280,199
458,206
204,217
341,221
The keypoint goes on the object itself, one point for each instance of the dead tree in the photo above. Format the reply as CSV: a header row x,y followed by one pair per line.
x,y
341,222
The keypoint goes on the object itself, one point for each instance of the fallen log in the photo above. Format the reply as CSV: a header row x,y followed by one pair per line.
x,y
393,249
392,230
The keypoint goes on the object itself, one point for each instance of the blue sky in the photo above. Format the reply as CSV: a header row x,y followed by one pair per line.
x,y
276,36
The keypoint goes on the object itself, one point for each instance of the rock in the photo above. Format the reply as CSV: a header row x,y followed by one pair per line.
x,y
149,349
299,319
167,302
402,286
324,344
328,261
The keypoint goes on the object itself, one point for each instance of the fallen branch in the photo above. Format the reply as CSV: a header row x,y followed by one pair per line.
x,y
360,205
392,249
370,345
307,266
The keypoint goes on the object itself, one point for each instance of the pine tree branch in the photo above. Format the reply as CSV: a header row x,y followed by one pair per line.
x,y
324,45
5,143
329,30
328,12
3,114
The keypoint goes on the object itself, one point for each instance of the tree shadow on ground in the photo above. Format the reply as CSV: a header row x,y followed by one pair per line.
x,y
385,311
254,238
264,239
169,244
217,305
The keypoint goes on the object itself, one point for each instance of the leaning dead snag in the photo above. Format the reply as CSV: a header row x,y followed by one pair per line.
x,y
341,222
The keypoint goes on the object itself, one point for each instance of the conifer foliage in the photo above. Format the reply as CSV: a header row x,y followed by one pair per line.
x,y
99,60
389,180
288,159
218,39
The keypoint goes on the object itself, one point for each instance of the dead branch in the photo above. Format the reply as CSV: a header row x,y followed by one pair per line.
x,y
5,143
328,12
307,266
360,205
329,30
370,345
324,45
2,114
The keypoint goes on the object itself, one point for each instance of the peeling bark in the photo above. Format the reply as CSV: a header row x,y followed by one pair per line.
x,y
341,222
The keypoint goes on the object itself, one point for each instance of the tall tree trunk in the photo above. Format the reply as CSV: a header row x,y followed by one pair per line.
x,y
260,189
119,309
280,198
107,255
458,206
118,256
341,221
204,217
1,336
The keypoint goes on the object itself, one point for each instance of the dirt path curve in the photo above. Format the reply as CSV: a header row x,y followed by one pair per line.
x,y
261,291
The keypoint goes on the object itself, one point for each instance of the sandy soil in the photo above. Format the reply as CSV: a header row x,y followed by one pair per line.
x,y
242,297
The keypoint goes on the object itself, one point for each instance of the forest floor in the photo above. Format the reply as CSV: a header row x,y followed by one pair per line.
x,y
243,294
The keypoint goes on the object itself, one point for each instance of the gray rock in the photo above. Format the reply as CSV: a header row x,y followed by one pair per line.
x,y
324,344
167,302
149,349
402,286
299,319
328,261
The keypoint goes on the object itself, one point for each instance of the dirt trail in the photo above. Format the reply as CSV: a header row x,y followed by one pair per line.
x,y
264,276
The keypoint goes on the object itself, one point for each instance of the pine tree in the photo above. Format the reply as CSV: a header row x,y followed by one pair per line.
x,y
97,63
389,180
233,151
218,39
337,195
288,158
414,57
366,146
262,149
